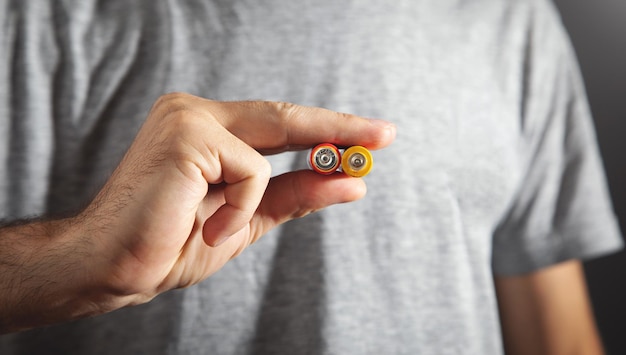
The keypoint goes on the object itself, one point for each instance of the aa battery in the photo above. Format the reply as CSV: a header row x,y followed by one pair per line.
x,y
356,161
326,158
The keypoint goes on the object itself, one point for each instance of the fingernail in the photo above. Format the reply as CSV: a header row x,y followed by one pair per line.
x,y
380,123
388,127
220,240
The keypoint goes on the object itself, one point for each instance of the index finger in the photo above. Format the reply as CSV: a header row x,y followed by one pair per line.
x,y
285,126
279,126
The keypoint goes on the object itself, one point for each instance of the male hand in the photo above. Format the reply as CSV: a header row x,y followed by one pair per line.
x,y
191,193
194,190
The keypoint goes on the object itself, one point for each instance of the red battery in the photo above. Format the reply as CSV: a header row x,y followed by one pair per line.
x,y
325,158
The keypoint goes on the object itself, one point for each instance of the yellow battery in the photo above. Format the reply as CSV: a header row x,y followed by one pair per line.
x,y
357,161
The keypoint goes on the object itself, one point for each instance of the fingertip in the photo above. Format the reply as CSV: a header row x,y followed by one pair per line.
x,y
211,238
225,222
386,132
327,190
391,132
382,124
355,188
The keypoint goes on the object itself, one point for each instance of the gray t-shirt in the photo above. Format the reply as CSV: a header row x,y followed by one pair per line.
x,y
495,168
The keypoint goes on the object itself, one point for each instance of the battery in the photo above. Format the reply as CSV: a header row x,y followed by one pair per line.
x,y
325,158
357,161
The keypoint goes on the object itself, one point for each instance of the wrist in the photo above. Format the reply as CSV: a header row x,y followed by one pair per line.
x,y
112,277
100,286
50,274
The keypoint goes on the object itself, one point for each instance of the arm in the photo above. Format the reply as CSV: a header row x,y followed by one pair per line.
x,y
191,193
42,276
547,312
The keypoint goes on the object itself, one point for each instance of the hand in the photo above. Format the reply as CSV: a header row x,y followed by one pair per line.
x,y
191,193
193,190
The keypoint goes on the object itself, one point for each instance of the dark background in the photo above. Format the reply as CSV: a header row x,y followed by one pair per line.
x,y
598,31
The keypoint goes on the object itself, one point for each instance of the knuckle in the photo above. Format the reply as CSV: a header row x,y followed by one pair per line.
x,y
262,168
176,133
181,122
265,169
286,110
287,114
345,116
284,106
172,102
347,120
183,118
174,96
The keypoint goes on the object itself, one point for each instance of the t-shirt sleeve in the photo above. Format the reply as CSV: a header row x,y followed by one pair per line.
x,y
562,209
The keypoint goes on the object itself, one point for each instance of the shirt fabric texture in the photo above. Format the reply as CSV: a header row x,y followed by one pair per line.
x,y
495,168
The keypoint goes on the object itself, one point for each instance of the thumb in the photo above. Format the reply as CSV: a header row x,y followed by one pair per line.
x,y
296,194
